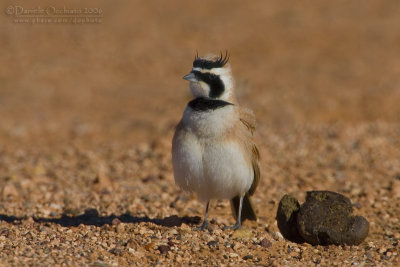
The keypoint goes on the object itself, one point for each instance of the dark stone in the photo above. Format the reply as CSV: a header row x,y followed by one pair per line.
x,y
212,243
248,257
149,178
116,251
265,243
326,218
164,249
287,218
357,231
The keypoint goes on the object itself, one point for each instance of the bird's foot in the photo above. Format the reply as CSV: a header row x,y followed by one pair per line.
x,y
204,226
236,226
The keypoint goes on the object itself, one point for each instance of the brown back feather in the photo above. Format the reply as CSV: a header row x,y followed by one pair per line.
x,y
248,119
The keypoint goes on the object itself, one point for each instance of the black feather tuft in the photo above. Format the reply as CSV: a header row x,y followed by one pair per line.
x,y
210,64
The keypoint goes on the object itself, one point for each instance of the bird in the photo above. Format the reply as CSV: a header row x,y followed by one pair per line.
x,y
213,150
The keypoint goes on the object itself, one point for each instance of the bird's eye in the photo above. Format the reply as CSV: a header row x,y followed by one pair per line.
x,y
212,76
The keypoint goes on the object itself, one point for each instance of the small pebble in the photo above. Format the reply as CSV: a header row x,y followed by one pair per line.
x,y
164,249
212,243
248,257
116,221
242,234
265,243
233,255
116,251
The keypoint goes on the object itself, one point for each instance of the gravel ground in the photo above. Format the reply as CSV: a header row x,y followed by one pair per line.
x,y
88,113
116,204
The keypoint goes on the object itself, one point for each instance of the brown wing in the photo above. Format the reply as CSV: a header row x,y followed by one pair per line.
x,y
248,119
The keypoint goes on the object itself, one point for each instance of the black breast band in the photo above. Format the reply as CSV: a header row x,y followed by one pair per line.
x,y
204,104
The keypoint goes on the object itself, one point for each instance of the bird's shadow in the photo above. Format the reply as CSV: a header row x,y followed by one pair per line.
x,y
92,217
10,219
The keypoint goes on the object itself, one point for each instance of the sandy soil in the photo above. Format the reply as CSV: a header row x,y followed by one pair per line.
x,y
88,112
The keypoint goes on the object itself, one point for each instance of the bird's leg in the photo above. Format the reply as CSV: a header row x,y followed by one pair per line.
x,y
238,223
205,225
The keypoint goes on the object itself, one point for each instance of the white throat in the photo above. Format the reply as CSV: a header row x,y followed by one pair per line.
x,y
212,123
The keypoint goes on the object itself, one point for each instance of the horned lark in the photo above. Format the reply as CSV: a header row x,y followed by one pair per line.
x,y
213,151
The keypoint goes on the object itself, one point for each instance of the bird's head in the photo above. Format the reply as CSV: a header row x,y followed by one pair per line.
x,y
211,77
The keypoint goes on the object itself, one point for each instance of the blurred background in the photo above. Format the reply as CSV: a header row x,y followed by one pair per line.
x,y
121,78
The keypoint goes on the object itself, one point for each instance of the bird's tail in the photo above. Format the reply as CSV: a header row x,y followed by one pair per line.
x,y
248,212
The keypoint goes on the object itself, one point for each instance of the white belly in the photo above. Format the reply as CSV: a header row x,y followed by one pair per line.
x,y
213,170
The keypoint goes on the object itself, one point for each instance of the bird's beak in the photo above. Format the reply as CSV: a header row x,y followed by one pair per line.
x,y
190,77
